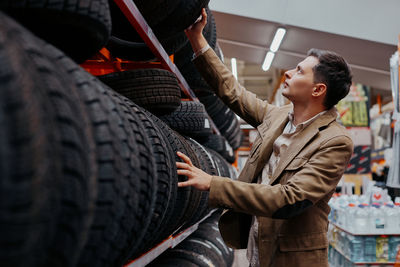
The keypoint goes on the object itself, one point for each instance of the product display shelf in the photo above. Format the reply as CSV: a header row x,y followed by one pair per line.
x,y
361,263
362,234
170,242
134,16
333,245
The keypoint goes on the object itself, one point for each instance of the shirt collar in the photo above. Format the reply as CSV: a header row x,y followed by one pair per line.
x,y
304,123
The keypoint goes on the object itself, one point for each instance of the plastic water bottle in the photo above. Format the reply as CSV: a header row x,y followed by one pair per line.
x,y
356,248
396,228
370,248
354,199
341,210
377,217
392,218
350,215
394,247
361,219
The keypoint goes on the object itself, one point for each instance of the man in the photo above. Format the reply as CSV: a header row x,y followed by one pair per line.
x,y
278,209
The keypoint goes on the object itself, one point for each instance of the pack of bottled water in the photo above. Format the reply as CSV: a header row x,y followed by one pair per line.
x,y
365,215
366,228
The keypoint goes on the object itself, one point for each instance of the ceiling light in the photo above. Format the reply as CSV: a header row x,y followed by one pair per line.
x,y
268,61
234,67
276,42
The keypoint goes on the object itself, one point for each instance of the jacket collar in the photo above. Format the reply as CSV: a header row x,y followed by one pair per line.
x,y
271,130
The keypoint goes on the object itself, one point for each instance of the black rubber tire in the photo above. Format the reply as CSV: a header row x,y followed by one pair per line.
x,y
222,164
207,165
197,259
167,178
235,138
219,144
192,208
153,12
205,248
208,230
126,172
47,160
189,119
79,28
215,142
184,15
156,90
171,262
138,50
183,193
225,120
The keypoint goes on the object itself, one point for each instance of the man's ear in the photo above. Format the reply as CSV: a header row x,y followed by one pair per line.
x,y
319,90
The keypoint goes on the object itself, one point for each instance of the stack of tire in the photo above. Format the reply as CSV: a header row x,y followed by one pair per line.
x,y
204,247
223,117
87,176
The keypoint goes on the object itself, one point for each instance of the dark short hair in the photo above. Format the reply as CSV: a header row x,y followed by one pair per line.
x,y
334,72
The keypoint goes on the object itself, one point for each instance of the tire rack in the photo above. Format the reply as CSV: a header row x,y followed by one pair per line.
x,y
104,63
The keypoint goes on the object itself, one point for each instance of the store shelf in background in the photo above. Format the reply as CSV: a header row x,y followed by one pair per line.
x,y
363,234
170,242
379,154
361,263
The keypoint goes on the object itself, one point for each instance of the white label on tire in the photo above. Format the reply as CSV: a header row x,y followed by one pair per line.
x,y
229,148
206,123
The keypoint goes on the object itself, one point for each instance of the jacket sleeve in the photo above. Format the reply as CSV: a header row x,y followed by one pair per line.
x,y
306,187
222,81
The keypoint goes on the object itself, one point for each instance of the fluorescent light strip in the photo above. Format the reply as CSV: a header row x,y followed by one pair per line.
x,y
268,61
276,42
234,67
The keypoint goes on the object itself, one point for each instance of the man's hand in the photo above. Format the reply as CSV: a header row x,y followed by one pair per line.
x,y
196,177
195,32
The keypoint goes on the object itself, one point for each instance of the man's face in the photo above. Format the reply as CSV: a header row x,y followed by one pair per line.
x,y
299,82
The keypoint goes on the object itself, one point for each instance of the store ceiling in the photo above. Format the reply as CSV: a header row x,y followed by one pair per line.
x,y
248,39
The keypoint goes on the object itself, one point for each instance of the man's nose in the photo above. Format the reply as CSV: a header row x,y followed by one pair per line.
x,y
288,74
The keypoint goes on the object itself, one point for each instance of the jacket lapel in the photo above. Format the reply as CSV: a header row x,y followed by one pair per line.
x,y
269,131
300,140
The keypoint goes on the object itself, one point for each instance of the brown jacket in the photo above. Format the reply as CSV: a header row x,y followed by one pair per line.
x,y
293,209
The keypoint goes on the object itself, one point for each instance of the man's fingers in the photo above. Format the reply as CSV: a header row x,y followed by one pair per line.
x,y
184,172
204,16
184,158
182,165
186,183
